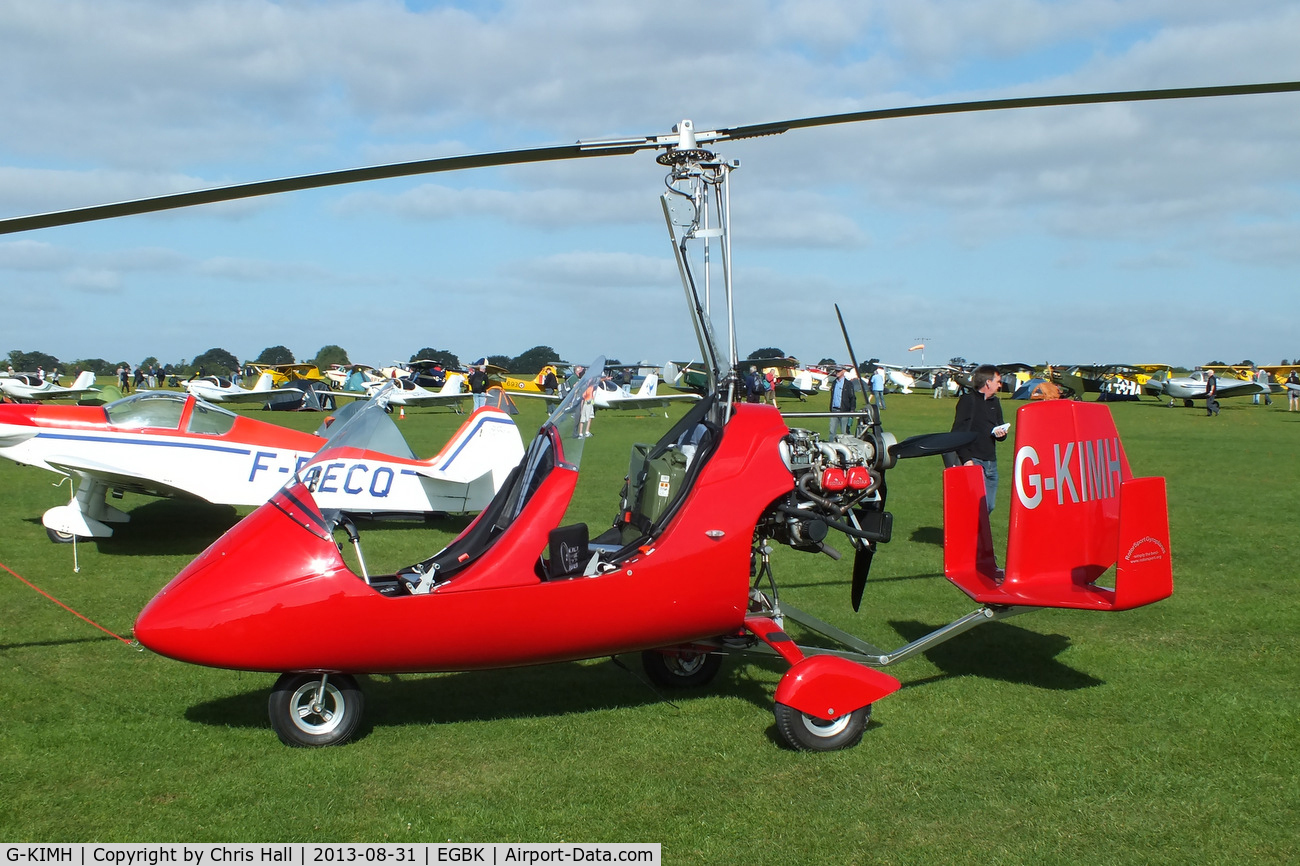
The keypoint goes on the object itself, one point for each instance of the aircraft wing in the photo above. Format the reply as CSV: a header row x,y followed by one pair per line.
x,y
246,396
117,478
549,398
1239,388
635,402
399,399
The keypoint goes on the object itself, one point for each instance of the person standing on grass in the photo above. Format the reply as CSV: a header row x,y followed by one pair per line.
x,y
843,400
979,411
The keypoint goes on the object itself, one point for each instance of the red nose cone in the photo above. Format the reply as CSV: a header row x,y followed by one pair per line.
x,y
234,606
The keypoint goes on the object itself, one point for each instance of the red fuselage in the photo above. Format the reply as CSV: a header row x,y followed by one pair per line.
x,y
271,595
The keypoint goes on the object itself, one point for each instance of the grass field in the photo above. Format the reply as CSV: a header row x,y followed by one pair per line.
x,y
1161,735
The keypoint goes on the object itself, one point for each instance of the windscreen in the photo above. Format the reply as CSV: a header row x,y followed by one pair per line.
x,y
571,419
152,409
365,426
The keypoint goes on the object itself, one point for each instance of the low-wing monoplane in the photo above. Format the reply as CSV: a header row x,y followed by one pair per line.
x,y
219,389
1192,387
162,443
31,388
607,394
405,392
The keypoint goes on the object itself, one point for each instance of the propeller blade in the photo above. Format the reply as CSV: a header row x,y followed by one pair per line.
x,y
861,567
862,385
591,148
926,444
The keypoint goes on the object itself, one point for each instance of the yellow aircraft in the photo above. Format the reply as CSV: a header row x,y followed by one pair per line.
x,y
524,386
1277,373
282,373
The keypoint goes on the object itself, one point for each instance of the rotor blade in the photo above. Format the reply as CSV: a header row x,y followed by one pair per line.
x,y
584,149
306,181
760,129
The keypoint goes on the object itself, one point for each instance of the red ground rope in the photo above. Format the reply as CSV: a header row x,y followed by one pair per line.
x,y
62,605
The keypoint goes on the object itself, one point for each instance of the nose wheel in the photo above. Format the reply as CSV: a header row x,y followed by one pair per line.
x,y
806,733
315,710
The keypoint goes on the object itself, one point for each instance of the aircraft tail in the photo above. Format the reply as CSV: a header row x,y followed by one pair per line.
x,y
1076,511
85,379
453,384
263,382
649,386
488,442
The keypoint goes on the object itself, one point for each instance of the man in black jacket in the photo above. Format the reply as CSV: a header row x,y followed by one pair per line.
x,y
1211,394
980,412
842,400
478,383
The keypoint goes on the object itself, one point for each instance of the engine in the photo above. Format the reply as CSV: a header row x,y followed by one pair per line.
x,y
837,485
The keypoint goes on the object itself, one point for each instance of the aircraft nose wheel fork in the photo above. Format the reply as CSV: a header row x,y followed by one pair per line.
x,y
315,710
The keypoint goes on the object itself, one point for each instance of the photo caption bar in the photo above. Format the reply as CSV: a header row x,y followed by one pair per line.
x,y
422,854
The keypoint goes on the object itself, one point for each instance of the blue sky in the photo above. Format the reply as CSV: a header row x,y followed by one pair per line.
x,y
1155,232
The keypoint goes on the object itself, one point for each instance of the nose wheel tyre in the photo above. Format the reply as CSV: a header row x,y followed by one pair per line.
x,y
680,670
806,733
305,714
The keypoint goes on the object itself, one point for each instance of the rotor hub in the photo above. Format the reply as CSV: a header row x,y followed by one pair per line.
x,y
679,156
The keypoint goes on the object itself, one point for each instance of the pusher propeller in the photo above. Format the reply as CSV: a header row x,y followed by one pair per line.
x,y
928,444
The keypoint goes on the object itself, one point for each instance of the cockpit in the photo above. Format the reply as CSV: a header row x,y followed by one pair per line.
x,y
166,411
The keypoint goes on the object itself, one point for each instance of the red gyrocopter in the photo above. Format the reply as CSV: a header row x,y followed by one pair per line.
x,y
684,574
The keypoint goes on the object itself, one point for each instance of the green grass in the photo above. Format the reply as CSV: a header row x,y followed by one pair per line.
x,y
1161,735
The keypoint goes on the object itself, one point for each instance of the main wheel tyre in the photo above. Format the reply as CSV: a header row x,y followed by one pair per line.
x,y
62,537
806,733
681,670
304,716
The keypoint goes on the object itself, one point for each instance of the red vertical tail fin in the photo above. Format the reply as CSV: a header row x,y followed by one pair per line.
x,y
1076,512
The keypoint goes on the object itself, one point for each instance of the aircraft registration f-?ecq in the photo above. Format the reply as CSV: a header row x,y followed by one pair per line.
x,y
173,445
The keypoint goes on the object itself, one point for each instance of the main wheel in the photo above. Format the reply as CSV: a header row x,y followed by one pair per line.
x,y
62,537
305,715
806,733
680,670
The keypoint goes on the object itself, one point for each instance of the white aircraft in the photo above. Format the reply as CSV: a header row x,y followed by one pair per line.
x,y
217,389
339,375
29,388
406,393
162,443
1192,387
608,395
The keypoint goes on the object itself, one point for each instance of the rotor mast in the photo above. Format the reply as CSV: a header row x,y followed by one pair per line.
x,y
697,190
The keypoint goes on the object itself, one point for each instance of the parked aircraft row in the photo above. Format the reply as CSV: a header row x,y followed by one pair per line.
x,y
426,383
